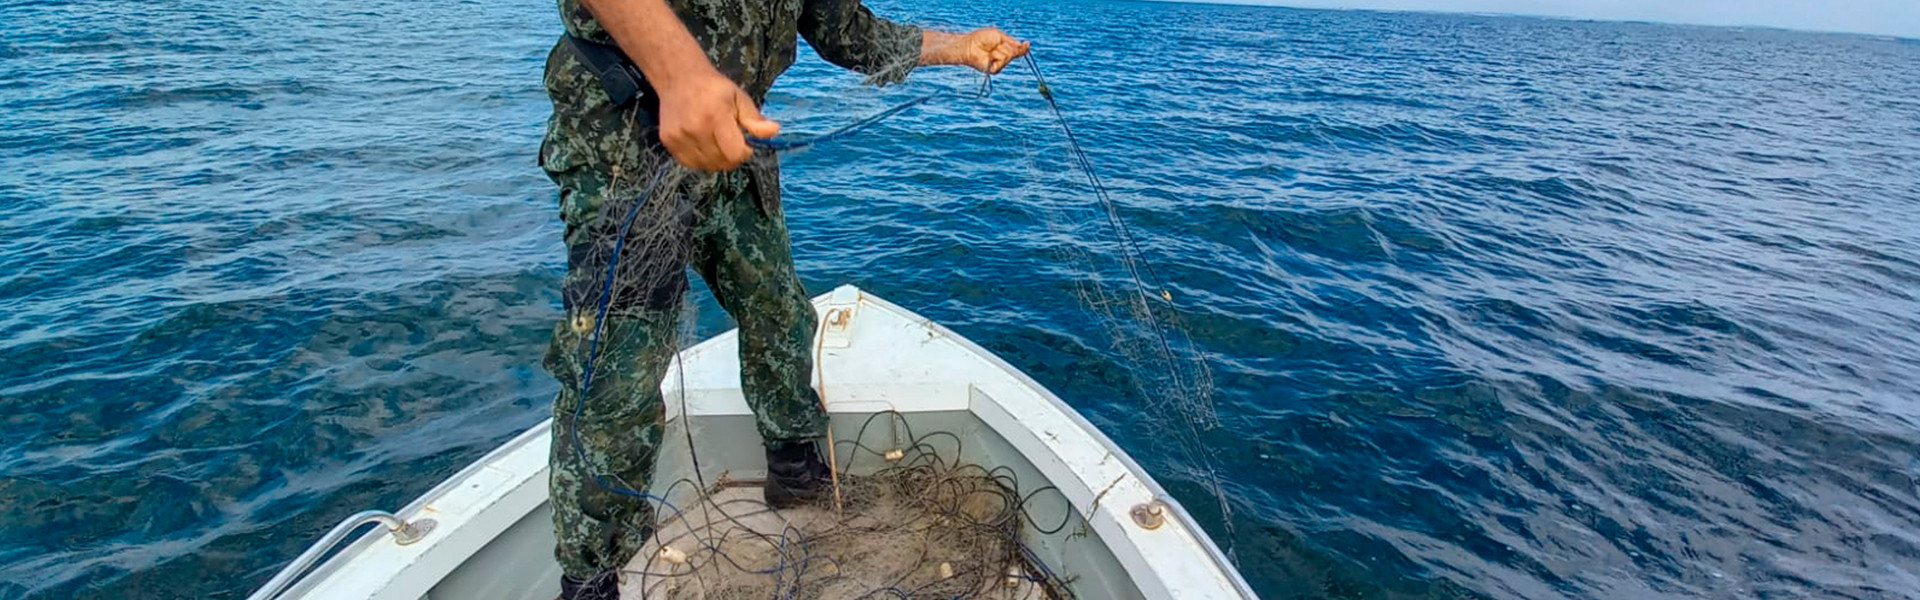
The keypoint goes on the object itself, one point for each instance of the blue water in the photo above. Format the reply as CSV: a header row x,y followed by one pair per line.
x,y
1496,307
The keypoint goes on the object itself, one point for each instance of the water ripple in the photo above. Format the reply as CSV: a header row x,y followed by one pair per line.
x,y
1496,307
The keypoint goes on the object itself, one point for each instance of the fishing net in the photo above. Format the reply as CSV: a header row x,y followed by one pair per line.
x,y
926,524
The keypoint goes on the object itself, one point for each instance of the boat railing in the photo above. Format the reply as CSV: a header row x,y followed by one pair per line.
x,y
404,532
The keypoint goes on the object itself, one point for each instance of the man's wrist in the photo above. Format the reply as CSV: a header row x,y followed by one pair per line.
x,y
941,47
675,75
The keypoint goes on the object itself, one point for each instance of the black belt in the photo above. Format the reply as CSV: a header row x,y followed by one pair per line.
x,y
618,75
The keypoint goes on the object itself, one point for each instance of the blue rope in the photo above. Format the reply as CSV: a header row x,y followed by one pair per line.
x,y
593,360
843,132
593,346
781,145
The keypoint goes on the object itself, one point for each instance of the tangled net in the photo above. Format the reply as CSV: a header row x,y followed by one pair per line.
x,y
921,526
925,525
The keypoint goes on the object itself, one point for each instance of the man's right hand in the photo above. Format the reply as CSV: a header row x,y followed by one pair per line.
x,y
702,117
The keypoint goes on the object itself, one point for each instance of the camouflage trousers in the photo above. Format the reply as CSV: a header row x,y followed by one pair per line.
x,y
727,227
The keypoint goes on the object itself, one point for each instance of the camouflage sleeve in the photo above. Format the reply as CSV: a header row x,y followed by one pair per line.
x,y
847,34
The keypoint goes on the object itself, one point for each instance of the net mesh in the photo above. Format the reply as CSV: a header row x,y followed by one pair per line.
x,y
925,525
922,526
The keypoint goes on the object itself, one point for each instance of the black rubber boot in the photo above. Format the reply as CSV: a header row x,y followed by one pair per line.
x,y
605,586
795,474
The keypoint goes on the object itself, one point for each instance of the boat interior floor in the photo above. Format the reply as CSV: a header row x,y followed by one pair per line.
x,y
905,534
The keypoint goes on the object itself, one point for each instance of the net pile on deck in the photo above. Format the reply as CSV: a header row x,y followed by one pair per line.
x,y
919,528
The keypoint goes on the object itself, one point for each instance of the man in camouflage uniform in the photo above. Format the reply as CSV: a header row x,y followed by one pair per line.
x,y
704,67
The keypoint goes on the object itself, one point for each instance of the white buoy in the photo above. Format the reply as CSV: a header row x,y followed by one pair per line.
x,y
673,555
895,455
946,570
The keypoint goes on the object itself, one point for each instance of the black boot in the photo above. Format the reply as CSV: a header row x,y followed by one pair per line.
x,y
605,586
795,474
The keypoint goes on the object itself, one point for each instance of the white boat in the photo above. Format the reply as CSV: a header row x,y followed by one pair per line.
x,y
486,533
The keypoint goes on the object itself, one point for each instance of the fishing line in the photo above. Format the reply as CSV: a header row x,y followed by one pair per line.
x,y
1131,254
779,144
939,489
843,132
1140,272
593,359
593,344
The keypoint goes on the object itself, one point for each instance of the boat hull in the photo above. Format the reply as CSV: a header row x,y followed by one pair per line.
x,y
1097,520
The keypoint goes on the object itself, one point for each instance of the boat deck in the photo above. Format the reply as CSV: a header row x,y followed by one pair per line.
x,y
814,552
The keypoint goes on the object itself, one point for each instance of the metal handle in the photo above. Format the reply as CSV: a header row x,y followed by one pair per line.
x,y
403,533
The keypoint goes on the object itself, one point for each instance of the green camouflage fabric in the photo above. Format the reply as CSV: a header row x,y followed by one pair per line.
x,y
753,42
729,227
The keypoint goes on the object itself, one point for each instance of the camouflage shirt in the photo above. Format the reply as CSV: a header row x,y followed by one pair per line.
x,y
753,41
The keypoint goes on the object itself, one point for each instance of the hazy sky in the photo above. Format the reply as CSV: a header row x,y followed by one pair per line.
x,y
1887,17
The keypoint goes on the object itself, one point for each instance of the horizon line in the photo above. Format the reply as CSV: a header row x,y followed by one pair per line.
x,y
1281,4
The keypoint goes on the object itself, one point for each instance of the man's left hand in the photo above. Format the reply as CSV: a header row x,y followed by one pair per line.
x,y
987,49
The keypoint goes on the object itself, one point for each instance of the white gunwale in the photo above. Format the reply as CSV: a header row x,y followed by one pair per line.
x,y
865,366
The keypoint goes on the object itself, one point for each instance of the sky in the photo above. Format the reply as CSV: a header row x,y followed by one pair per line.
x,y
1883,17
